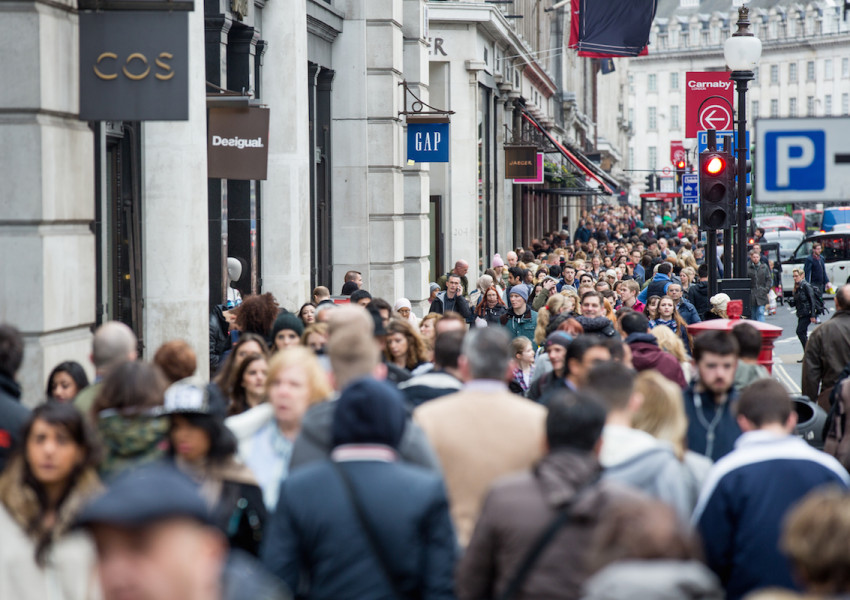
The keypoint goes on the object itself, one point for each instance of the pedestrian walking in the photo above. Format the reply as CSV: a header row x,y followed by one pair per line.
x,y
827,352
760,283
804,304
815,269
65,381
42,490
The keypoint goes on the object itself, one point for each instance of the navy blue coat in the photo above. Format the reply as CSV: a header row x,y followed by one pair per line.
x,y
316,544
702,412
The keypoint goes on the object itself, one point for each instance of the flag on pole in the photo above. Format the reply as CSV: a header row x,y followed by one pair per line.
x,y
608,28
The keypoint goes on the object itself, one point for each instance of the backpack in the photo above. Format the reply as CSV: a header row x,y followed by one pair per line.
x,y
836,440
818,307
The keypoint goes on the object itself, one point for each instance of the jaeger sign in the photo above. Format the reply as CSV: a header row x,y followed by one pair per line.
x,y
134,66
238,143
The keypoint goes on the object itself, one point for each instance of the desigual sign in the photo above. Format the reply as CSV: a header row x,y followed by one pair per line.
x,y
238,143
134,66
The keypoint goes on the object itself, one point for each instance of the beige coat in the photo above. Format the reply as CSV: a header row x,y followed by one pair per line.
x,y
479,435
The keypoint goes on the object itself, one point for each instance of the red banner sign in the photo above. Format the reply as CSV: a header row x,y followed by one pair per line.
x,y
702,111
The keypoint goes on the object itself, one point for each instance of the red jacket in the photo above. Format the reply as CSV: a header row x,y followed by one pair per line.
x,y
647,355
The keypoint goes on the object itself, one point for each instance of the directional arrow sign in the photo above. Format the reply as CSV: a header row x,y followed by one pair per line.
x,y
714,116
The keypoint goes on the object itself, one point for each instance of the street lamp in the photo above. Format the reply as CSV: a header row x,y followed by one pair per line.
x,y
742,52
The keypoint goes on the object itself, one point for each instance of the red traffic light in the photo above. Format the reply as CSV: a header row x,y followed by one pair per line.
x,y
681,164
715,165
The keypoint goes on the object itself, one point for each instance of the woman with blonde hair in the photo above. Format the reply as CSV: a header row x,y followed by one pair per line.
x,y
404,347
266,433
554,307
719,303
669,316
662,415
688,275
672,343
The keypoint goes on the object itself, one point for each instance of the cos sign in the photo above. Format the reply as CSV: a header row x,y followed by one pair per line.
x,y
134,66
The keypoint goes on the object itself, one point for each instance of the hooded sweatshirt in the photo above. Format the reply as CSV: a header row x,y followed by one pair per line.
x,y
130,441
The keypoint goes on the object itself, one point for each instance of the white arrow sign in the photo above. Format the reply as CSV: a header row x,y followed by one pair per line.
x,y
715,117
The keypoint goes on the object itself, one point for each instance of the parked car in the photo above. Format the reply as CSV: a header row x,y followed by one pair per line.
x,y
832,217
808,220
836,256
787,240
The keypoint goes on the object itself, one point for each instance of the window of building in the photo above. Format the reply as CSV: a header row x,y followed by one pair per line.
x,y
845,67
674,81
652,156
792,72
686,38
845,104
827,68
774,108
631,83
754,109
756,74
652,118
810,106
774,74
704,37
631,157
631,117
792,107
674,116
652,82
827,105
810,70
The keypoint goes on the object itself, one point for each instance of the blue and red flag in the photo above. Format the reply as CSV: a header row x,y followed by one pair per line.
x,y
609,28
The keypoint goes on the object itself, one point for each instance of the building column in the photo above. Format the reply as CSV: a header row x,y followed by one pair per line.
x,y
47,203
285,205
417,247
176,248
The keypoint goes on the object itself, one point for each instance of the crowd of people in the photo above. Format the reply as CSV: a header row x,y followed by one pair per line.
x,y
551,430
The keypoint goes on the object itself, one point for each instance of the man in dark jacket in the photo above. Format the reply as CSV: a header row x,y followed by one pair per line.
x,y
659,283
645,351
399,543
686,310
451,299
710,399
748,493
815,269
698,292
13,415
592,319
804,302
443,379
827,351
520,507
760,283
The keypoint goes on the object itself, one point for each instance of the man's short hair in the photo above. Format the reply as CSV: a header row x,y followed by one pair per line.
x,y
765,402
380,304
449,317
451,275
634,322
351,276
591,294
517,272
352,353
579,347
749,340
665,268
11,350
613,383
321,291
488,352
702,271
358,295
631,284
113,344
575,420
842,297
721,343
447,348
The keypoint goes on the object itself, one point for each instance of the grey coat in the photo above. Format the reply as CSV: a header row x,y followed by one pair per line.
x,y
760,279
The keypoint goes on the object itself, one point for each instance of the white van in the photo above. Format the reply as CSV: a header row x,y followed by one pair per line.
x,y
836,256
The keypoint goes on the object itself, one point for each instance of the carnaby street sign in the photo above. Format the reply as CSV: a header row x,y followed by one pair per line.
x,y
702,111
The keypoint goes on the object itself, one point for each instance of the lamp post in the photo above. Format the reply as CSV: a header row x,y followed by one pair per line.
x,y
742,52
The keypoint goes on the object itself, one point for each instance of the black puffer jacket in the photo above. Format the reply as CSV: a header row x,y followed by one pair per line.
x,y
13,417
219,339
698,295
804,300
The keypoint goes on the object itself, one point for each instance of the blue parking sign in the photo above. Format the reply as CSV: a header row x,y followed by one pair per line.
x,y
795,160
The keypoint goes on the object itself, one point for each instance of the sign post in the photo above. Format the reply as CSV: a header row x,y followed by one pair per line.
x,y
520,162
708,101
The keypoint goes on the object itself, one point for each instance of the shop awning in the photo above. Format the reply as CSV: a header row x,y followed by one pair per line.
x,y
609,185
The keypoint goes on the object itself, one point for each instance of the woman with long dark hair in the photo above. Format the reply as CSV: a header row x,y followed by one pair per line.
x,y
404,347
65,381
492,307
41,491
205,449
248,344
670,317
248,388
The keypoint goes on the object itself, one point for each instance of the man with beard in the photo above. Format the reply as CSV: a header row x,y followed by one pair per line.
x,y
711,397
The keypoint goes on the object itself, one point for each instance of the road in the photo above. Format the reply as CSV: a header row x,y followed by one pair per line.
x,y
787,350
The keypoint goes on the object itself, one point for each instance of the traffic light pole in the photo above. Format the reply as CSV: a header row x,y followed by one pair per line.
x,y
711,233
741,78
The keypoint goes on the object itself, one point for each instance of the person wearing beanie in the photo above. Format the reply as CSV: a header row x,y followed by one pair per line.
x,y
286,331
520,319
349,287
719,304
556,346
362,524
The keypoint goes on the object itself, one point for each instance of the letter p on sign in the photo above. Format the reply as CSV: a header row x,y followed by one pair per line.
x,y
795,160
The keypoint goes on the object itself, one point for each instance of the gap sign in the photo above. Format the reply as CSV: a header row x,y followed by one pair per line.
x,y
428,142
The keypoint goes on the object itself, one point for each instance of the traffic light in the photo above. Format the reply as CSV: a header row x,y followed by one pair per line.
x,y
716,190
748,167
681,165
651,180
